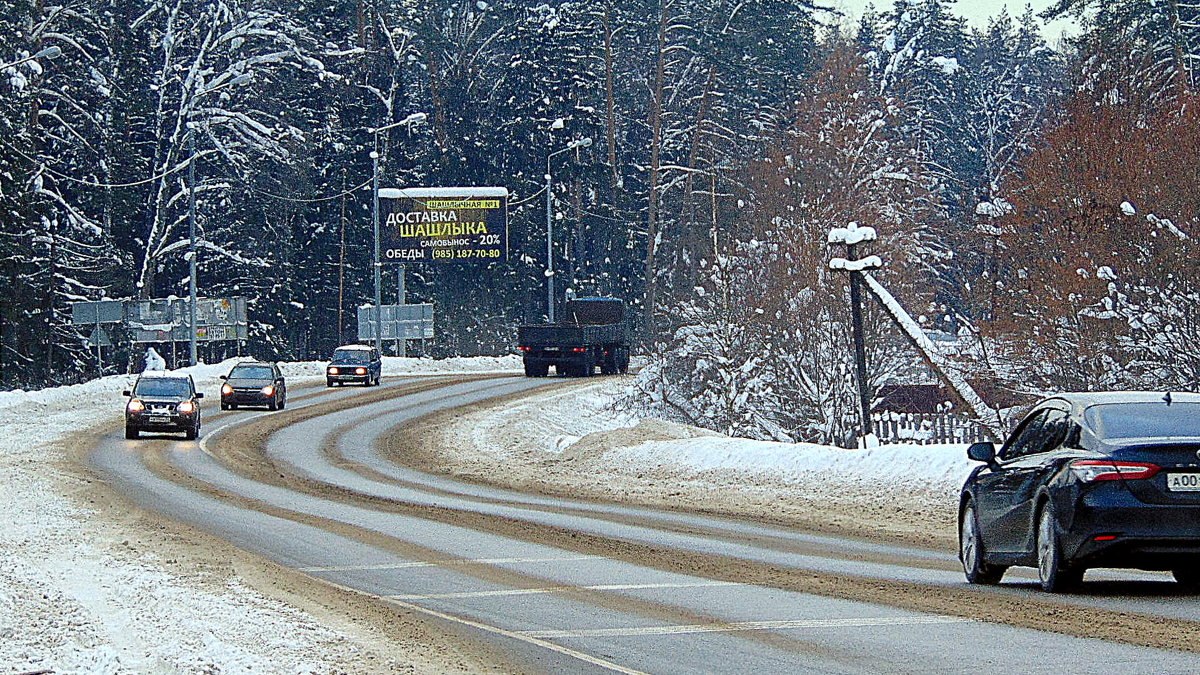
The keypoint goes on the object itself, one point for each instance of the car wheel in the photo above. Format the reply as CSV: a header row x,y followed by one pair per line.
x,y
1188,577
131,433
192,432
224,405
970,552
328,383
273,404
283,402
1054,572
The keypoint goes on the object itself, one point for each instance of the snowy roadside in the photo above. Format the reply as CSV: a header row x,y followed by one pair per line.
x,y
571,441
79,594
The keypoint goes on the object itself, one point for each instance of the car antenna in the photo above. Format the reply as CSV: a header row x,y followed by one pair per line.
x,y
1167,398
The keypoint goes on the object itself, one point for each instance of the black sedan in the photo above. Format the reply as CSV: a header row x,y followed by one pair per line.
x,y
1088,480
254,383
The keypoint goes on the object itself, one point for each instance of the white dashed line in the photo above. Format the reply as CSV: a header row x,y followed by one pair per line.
x,y
556,589
441,563
745,626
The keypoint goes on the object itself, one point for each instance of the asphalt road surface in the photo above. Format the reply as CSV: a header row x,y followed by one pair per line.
x,y
562,585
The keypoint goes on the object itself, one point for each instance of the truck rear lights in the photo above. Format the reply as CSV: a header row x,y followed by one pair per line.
x,y
1095,470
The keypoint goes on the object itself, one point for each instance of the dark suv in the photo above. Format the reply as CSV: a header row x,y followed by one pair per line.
x,y
163,402
354,363
254,383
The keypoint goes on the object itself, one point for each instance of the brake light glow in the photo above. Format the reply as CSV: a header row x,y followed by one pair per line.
x,y
1095,470
524,349
579,349
333,371
226,390
136,406
1105,537
186,407
360,371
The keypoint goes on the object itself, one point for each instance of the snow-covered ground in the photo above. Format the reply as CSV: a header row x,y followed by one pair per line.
x,y
77,596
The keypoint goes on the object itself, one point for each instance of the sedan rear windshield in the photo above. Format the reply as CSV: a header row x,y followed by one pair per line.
x,y
162,387
251,373
352,356
1144,420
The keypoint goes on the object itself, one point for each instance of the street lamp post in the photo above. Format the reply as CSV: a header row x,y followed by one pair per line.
x,y
47,53
239,80
581,143
414,118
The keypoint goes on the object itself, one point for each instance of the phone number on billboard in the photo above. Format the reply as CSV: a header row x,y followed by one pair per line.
x,y
466,254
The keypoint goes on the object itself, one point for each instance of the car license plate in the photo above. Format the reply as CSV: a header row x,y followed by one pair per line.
x,y
158,419
1183,482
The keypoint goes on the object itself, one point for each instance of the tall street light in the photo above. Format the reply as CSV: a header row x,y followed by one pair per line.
x,y
581,143
414,118
47,53
239,80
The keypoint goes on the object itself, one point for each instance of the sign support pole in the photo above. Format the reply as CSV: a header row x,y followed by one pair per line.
x,y
401,300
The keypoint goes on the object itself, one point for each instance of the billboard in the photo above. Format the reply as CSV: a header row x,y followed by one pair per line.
x,y
167,320
443,225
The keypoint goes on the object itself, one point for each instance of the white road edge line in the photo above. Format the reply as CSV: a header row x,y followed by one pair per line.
x,y
748,625
555,589
441,563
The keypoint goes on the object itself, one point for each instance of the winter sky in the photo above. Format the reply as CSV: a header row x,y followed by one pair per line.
x,y
975,11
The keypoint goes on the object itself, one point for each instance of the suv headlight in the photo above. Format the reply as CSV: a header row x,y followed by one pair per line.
x,y
186,407
135,406
360,371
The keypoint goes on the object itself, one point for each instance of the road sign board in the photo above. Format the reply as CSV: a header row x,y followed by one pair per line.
x,y
99,338
463,224
167,320
101,311
407,322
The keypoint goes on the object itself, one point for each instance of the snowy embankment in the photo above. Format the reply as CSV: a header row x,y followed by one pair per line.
x,y
80,594
572,441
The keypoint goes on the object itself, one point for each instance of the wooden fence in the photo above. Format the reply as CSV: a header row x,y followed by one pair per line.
x,y
925,428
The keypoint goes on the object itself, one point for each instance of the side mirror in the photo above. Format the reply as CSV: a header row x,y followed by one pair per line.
x,y
222,377
127,393
199,394
982,452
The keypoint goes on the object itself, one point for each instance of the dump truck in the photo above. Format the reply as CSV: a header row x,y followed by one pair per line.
x,y
592,335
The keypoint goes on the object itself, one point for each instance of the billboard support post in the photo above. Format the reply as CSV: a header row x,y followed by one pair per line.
x,y
401,342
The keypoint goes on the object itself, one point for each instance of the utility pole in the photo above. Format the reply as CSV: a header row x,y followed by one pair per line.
x,y
581,143
414,118
850,237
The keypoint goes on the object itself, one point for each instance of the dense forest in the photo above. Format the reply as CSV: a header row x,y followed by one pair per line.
x,y
1037,201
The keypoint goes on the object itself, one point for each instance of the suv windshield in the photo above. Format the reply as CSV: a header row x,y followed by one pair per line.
x,y
162,386
1145,420
352,356
251,373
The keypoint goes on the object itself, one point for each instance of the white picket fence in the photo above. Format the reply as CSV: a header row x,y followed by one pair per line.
x,y
925,428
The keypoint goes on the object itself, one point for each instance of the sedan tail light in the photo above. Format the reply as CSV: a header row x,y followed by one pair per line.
x,y
1095,470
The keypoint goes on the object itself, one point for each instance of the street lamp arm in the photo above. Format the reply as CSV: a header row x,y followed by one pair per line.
x,y
52,52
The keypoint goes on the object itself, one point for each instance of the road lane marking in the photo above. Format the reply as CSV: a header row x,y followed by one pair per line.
x,y
440,563
746,626
557,589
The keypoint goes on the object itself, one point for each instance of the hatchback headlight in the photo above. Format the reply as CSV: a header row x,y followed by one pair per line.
x,y
186,407
268,390
226,390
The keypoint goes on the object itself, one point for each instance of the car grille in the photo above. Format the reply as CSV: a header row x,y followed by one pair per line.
x,y
160,408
